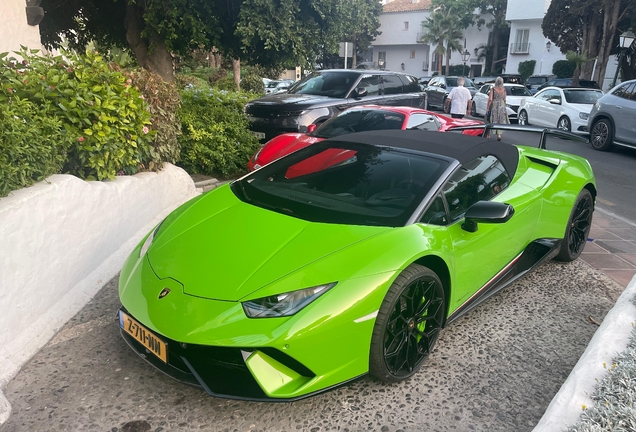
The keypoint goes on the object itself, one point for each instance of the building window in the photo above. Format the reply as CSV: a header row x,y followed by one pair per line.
x,y
382,59
412,54
406,25
521,45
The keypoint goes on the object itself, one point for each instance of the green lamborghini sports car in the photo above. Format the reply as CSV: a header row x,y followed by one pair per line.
x,y
346,257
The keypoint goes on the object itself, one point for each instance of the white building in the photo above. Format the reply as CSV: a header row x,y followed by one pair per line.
x,y
15,29
398,47
527,41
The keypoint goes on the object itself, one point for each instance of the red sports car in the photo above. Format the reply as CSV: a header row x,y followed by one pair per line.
x,y
359,119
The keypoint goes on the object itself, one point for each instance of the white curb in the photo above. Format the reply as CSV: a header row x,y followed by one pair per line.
x,y
611,338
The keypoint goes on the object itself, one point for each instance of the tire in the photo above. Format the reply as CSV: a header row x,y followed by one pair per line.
x,y
443,107
602,135
408,324
522,118
473,110
578,228
565,124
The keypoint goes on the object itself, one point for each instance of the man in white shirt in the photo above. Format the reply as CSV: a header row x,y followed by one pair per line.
x,y
459,100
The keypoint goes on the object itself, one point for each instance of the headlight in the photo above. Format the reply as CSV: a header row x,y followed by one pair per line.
x,y
149,240
583,116
284,304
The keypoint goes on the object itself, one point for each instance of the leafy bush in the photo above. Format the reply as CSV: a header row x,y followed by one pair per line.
x,y
563,68
253,84
184,80
32,146
101,111
526,69
216,139
163,100
227,83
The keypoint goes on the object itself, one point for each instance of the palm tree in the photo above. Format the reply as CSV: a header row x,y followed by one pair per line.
x,y
433,32
453,36
578,60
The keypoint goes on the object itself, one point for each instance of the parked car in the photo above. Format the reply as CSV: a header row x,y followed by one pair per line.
x,y
613,118
440,86
319,96
535,81
567,82
515,93
271,86
359,119
565,108
480,81
344,258
282,86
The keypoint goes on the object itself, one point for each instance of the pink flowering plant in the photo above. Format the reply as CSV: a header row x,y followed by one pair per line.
x,y
104,116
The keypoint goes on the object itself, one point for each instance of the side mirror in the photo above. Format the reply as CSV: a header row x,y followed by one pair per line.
x,y
442,86
555,101
312,127
486,212
361,92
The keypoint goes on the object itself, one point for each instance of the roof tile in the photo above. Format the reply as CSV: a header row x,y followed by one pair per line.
x,y
406,6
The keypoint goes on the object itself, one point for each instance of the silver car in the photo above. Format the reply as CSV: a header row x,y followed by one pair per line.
x,y
515,93
612,119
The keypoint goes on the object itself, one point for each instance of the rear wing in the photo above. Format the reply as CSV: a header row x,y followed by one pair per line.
x,y
560,133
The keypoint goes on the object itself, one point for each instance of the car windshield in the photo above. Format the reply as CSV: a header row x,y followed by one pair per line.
x,y
344,183
359,120
332,84
517,91
582,96
452,82
272,84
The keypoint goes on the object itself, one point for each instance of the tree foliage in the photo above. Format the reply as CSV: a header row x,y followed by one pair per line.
x,y
267,32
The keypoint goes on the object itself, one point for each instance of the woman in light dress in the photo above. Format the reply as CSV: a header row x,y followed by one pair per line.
x,y
497,105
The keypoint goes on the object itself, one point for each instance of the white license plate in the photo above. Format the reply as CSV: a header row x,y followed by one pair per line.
x,y
259,135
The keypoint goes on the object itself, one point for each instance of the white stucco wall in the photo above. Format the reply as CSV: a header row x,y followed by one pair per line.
x,y
526,9
398,43
60,241
537,49
14,30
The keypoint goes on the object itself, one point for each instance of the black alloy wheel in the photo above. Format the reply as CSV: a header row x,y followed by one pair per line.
x,y
564,124
602,135
408,324
522,119
578,229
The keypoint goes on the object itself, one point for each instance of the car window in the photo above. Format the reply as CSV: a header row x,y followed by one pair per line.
x,y
536,80
625,91
549,94
481,179
410,84
452,82
582,96
336,84
432,82
423,122
468,82
632,92
392,84
436,213
371,83
342,182
359,120
485,89
517,91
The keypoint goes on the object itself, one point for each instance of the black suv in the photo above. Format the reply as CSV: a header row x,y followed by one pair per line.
x,y
323,94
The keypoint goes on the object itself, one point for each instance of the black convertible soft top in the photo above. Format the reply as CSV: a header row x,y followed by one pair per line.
x,y
463,148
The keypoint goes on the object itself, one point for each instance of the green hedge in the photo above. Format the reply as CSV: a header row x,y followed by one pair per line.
x,y
563,68
526,69
216,139
32,146
102,113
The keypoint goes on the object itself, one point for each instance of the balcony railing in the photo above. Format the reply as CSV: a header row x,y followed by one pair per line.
x,y
519,48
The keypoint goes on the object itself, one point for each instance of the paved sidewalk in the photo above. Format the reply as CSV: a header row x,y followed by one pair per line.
x,y
612,246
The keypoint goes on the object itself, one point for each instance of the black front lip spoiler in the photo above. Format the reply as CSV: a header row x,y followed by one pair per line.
x,y
222,376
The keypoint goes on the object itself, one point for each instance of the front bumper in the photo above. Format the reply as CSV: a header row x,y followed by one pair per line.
x,y
211,344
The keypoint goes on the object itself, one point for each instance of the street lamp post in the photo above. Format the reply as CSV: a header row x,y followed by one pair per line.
x,y
465,58
625,41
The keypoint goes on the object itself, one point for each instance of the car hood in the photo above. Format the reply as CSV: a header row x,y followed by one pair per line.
x,y
224,249
284,144
288,101
586,108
